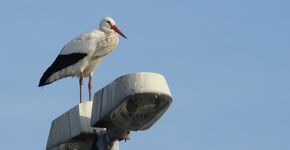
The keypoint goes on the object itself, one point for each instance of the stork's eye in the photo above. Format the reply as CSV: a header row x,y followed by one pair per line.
x,y
108,22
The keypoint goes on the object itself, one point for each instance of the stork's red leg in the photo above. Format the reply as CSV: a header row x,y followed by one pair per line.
x,y
90,87
81,82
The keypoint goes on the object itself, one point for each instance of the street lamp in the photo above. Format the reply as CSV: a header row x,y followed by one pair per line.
x,y
132,102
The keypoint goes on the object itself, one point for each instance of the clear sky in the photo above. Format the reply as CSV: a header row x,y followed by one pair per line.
x,y
226,62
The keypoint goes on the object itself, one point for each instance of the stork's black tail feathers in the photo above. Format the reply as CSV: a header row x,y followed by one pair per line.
x,y
61,62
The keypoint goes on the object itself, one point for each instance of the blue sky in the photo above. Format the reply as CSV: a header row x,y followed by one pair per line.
x,y
226,62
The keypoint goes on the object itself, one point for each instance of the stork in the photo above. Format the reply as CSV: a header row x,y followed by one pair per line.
x,y
83,54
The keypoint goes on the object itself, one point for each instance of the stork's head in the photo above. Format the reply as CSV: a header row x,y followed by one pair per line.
x,y
108,25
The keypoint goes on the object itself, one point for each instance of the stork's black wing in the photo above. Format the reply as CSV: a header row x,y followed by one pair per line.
x,y
61,62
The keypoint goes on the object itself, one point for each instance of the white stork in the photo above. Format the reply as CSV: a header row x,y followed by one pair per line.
x,y
81,55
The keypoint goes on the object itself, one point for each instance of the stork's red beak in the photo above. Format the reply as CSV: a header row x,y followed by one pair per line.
x,y
115,28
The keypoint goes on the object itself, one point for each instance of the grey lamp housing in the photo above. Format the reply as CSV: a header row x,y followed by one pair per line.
x,y
132,102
